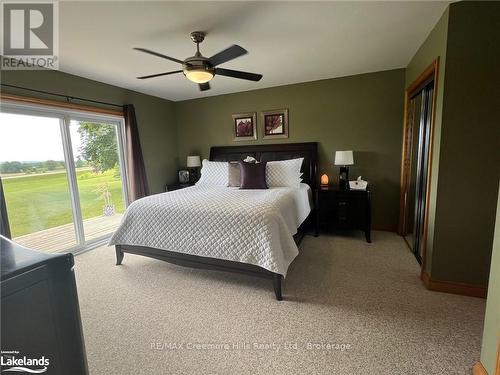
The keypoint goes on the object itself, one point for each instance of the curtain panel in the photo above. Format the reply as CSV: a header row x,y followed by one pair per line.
x,y
4,220
137,180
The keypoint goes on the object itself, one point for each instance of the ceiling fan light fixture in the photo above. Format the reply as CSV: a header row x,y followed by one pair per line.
x,y
200,69
199,75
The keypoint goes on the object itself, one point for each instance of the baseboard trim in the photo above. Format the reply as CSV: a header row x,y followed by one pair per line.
x,y
385,228
453,287
479,369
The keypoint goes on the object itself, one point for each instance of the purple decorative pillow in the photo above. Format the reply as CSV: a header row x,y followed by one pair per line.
x,y
253,175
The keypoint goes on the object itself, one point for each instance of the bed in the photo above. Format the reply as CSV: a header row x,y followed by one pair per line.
x,y
255,232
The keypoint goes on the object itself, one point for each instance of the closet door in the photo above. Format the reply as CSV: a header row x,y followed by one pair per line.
x,y
411,196
422,162
416,160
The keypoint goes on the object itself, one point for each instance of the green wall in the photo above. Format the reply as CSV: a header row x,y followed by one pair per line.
x,y
433,47
363,113
491,333
465,169
470,144
154,115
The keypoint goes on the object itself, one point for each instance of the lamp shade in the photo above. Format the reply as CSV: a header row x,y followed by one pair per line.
x,y
193,161
343,158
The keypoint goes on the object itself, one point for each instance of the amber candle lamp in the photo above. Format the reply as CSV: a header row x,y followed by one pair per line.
x,y
324,180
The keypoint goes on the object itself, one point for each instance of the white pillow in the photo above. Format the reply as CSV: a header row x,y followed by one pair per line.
x,y
284,173
214,173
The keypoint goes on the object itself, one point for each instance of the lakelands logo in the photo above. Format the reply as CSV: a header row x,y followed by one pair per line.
x,y
11,361
30,37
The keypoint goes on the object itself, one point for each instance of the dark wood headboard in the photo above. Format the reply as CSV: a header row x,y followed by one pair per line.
x,y
271,152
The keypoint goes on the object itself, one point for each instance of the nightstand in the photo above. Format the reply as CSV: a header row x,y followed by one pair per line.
x,y
343,209
176,186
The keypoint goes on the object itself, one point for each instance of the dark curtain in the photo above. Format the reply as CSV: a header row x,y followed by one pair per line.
x,y
137,181
4,220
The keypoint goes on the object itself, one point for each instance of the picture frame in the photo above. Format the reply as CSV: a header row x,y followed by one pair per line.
x,y
274,123
245,126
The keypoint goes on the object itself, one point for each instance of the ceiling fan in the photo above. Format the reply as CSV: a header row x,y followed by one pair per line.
x,y
200,69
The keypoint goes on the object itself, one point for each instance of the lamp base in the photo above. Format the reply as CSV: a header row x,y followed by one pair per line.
x,y
344,178
194,175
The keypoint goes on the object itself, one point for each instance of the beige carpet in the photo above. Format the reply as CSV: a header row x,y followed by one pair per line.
x,y
363,304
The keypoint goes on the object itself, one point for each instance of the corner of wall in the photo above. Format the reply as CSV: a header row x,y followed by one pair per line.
x,y
470,63
491,334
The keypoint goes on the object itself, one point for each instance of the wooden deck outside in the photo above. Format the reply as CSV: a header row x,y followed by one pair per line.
x,y
63,237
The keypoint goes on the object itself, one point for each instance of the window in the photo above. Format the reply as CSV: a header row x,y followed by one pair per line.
x,y
64,175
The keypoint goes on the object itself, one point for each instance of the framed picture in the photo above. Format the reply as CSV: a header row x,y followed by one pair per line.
x,y
245,126
275,124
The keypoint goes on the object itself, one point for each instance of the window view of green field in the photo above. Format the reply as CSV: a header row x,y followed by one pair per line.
x,y
37,190
47,194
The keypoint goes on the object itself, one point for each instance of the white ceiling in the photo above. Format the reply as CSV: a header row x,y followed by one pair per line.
x,y
288,42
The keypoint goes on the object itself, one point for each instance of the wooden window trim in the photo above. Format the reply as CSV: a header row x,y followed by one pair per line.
x,y
59,104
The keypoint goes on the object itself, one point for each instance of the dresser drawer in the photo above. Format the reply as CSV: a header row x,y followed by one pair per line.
x,y
344,210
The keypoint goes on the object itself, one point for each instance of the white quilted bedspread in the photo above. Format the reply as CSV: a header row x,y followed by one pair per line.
x,y
249,226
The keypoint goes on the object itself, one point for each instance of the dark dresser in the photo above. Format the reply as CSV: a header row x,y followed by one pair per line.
x,y
40,319
343,209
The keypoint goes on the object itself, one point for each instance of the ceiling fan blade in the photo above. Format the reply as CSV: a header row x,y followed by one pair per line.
x,y
160,74
204,86
159,55
238,74
228,54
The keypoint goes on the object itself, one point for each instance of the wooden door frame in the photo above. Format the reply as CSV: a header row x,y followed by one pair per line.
x,y
431,71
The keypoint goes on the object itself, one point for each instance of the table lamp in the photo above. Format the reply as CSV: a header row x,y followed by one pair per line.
x,y
343,159
194,162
